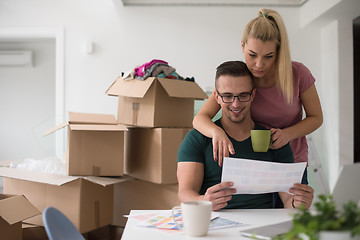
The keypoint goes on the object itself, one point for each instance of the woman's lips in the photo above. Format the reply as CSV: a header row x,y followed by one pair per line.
x,y
258,72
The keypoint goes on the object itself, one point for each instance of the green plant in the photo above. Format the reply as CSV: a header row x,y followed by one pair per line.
x,y
307,225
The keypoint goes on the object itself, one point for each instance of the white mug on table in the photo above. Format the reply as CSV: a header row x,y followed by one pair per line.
x,y
196,217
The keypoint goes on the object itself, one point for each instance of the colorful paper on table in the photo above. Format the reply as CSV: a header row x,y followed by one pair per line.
x,y
220,222
163,221
254,177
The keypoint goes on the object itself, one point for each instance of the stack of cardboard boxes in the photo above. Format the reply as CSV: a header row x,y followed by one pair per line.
x,y
158,113
154,116
95,148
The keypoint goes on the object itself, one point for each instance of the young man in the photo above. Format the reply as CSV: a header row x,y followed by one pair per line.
x,y
199,176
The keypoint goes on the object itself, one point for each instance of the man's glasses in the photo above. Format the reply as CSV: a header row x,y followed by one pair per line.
x,y
242,97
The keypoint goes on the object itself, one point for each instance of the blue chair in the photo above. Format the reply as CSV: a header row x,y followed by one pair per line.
x,y
58,226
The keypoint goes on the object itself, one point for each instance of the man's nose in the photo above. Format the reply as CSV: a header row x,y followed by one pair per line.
x,y
236,101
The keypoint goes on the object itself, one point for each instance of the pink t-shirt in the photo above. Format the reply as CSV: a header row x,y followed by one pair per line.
x,y
270,109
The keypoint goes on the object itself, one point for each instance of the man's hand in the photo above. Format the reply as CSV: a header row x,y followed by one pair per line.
x,y
303,195
220,194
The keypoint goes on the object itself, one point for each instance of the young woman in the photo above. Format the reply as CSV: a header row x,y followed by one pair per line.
x,y
283,88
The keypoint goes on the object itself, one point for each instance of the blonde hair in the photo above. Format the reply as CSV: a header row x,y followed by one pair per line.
x,y
269,26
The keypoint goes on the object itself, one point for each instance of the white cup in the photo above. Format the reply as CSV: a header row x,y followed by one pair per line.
x,y
196,217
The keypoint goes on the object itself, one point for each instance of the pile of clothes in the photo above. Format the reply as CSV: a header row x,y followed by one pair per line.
x,y
154,68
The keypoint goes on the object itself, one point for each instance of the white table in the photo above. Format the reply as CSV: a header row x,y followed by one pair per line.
x,y
251,217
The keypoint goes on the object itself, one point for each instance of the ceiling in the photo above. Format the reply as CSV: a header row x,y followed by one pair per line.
x,y
288,3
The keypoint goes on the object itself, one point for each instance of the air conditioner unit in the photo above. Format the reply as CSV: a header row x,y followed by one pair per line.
x,y
16,59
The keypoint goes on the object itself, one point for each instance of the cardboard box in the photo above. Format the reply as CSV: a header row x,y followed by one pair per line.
x,y
156,102
86,201
151,153
33,232
142,195
95,145
109,232
13,210
105,233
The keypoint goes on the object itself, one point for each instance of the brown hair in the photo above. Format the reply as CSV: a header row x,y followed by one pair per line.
x,y
269,26
234,69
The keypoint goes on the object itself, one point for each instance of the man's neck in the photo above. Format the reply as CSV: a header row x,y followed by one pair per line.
x,y
238,131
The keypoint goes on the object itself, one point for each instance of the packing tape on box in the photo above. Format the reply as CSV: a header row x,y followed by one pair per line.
x,y
95,170
97,214
136,107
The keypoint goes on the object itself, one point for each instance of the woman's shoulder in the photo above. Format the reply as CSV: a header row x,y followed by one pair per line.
x,y
298,66
302,75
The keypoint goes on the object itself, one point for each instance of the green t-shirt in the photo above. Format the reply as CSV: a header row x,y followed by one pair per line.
x,y
198,148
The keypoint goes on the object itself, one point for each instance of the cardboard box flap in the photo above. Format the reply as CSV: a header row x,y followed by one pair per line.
x,y
182,89
131,88
91,127
87,118
91,118
54,129
174,88
54,179
29,226
35,176
16,209
105,181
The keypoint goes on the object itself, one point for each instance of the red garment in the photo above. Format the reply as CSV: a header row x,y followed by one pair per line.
x,y
270,109
140,71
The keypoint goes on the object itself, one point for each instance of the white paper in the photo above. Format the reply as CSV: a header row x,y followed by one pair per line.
x,y
253,177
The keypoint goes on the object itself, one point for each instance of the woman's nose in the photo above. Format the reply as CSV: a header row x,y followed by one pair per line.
x,y
259,63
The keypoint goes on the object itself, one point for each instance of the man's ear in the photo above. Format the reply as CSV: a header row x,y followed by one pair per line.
x,y
217,97
253,94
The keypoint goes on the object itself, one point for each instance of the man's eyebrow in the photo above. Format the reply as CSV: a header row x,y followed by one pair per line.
x,y
229,93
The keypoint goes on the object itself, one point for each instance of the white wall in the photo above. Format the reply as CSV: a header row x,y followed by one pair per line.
x,y
330,95
192,39
330,55
27,103
195,40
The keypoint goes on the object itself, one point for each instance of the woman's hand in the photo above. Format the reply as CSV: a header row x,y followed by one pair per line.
x,y
279,138
221,146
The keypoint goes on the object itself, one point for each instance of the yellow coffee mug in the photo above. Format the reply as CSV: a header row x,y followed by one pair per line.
x,y
260,140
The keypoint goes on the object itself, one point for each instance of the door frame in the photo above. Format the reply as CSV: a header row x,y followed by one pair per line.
x,y
56,34
356,44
